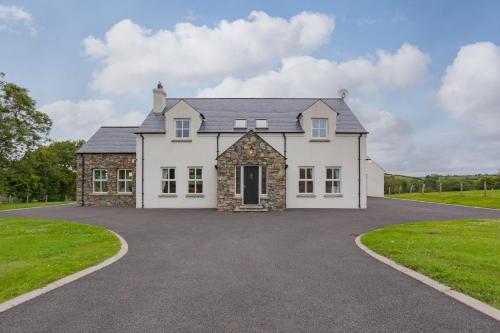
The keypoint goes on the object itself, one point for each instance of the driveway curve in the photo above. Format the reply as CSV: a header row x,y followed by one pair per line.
x,y
293,271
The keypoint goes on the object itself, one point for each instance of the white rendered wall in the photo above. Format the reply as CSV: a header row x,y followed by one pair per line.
x,y
375,179
341,150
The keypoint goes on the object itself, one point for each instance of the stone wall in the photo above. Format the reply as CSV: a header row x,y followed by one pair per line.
x,y
110,162
238,154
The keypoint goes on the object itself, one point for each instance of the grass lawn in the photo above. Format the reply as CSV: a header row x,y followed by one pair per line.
x,y
463,254
17,205
470,198
35,252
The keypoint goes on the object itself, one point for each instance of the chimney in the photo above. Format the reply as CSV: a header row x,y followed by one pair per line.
x,y
159,98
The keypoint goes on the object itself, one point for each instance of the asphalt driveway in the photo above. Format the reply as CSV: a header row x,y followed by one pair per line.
x,y
204,271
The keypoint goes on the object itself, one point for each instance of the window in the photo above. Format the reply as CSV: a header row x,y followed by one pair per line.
x,y
261,123
263,179
182,128
125,181
240,123
306,184
332,180
195,181
100,181
237,180
319,128
168,183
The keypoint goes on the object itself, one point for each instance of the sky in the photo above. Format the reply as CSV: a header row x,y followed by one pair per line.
x,y
423,76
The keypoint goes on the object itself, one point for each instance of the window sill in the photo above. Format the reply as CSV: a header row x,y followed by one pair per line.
x,y
195,195
167,195
306,195
99,193
333,195
319,140
264,196
181,140
124,193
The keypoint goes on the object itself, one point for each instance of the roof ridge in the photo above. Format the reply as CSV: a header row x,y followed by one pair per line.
x,y
120,126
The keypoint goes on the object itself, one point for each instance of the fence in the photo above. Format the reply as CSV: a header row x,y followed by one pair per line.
x,y
433,187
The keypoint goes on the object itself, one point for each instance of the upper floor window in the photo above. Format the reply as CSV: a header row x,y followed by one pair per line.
x,y
319,128
125,181
100,180
168,183
332,180
261,123
182,128
240,123
306,182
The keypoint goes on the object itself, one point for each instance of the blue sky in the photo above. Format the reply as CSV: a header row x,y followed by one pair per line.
x,y
422,75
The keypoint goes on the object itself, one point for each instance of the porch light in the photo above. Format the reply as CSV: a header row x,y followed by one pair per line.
x,y
251,152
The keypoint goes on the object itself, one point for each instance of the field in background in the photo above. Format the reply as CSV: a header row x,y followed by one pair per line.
x,y
469,198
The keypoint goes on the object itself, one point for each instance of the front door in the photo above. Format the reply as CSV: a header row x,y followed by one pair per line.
x,y
251,185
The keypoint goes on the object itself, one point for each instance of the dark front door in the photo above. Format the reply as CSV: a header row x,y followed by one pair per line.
x,y
251,185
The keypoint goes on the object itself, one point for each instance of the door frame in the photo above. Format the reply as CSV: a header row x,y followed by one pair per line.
x,y
242,182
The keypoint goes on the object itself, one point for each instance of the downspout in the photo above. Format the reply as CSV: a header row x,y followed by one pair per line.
x,y
83,179
359,170
142,171
284,154
218,136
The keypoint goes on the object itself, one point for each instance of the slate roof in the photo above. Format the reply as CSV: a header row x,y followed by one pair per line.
x,y
111,140
281,114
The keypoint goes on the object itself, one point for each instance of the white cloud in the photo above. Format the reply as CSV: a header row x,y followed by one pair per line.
x,y
133,57
79,120
306,76
470,88
12,16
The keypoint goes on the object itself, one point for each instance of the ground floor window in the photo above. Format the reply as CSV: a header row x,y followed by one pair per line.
x,y
332,183
125,180
168,182
195,180
306,183
100,180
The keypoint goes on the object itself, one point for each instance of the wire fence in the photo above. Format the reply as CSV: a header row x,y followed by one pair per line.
x,y
395,187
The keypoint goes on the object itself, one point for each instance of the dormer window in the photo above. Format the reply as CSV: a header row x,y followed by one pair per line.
x,y
240,123
319,128
261,123
182,128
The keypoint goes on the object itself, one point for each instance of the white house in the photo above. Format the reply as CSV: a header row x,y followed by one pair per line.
x,y
233,154
374,179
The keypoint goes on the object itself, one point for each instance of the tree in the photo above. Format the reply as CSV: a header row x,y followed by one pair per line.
x,y
22,127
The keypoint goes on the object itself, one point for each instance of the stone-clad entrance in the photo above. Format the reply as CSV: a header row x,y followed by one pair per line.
x,y
237,169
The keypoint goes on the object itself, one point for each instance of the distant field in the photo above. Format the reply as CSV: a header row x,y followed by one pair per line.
x,y
18,205
470,198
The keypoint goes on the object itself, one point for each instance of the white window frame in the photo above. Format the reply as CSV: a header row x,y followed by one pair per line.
x,y
240,125
236,187
333,179
183,128
168,180
195,180
313,128
306,180
263,123
124,180
100,180
262,188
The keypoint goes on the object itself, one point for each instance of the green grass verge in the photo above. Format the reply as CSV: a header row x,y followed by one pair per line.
x,y
463,254
35,252
469,198
18,205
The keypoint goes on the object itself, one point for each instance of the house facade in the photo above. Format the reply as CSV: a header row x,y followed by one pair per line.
x,y
233,154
